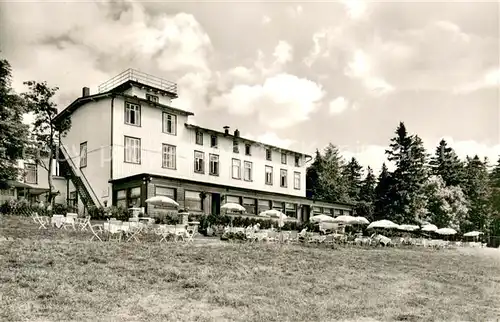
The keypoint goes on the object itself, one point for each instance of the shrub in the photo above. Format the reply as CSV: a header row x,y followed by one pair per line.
x,y
233,236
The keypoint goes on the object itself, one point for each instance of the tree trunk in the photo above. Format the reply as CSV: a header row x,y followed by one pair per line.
x,y
49,179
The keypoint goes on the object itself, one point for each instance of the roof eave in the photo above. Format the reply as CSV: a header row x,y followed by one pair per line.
x,y
192,126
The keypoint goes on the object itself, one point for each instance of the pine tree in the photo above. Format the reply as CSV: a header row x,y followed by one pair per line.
x,y
353,177
408,154
367,196
445,163
13,133
477,190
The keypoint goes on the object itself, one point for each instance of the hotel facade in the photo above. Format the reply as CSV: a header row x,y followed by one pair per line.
x,y
127,143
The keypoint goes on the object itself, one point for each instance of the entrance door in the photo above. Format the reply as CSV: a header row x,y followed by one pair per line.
x,y
306,211
215,203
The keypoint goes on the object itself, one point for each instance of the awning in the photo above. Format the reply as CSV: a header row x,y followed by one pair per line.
x,y
32,189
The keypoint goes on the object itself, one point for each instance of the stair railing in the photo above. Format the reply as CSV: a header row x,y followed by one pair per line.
x,y
81,175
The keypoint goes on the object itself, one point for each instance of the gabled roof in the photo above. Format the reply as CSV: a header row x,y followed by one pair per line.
x,y
196,127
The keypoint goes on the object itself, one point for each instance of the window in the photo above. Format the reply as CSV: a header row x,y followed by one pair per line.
x,y
248,171
249,205
169,123
263,205
73,201
283,178
128,198
296,180
248,149
83,155
165,191
236,169
233,199
269,175
269,155
132,114
337,212
30,173
199,164
279,205
168,156
152,98
236,148
297,160
291,210
283,157
199,138
316,209
132,150
214,165
192,200
213,141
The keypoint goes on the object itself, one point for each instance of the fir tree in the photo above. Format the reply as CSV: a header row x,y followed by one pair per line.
x,y
333,184
383,194
13,133
445,163
367,196
313,189
408,154
353,177
477,190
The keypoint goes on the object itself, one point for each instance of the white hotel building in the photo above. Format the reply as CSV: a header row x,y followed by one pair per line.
x,y
128,143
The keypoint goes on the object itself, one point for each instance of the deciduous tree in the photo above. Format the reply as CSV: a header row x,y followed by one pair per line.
x,y
45,133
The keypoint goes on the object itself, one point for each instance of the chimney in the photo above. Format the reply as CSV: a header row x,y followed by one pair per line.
x,y
85,92
236,133
226,130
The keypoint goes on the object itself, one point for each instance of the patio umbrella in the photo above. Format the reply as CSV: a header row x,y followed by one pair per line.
x,y
408,227
473,234
446,231
361,220
162,201
273,213
384,223
233,206
429,227
347,220
321,218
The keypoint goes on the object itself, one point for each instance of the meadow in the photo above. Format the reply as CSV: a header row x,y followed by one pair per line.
x,y
50,275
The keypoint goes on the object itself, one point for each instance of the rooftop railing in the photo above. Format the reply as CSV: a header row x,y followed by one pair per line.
x,y
140,77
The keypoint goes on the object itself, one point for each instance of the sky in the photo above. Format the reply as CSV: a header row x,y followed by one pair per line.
x,y
295,75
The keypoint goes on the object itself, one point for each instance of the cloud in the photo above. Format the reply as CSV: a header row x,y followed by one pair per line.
x,y
356,9
283,52
295,11
360,67
266,20
490,79
281,101
338,105
92,42
271,138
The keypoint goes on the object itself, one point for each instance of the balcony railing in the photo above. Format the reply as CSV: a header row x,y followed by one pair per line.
x,y
140,77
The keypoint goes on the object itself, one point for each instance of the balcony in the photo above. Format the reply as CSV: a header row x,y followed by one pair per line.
x,y
133,75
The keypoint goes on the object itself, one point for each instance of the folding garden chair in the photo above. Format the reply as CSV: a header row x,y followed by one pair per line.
x,y
95,234
134,228
41,221
84,223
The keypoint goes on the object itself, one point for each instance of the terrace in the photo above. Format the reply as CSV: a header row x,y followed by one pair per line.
x,y
140,78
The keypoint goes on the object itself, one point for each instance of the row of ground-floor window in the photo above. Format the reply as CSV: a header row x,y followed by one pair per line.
x,y
199,198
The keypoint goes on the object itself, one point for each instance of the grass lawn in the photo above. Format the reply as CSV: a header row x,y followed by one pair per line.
x,y
54,275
